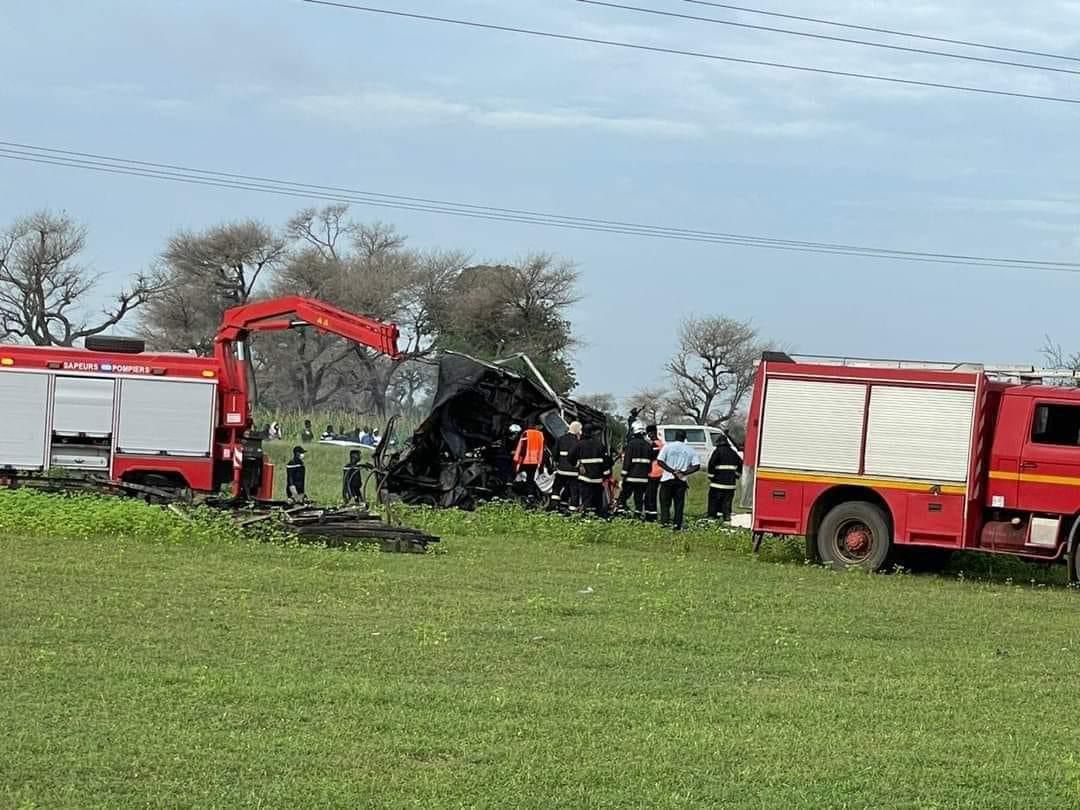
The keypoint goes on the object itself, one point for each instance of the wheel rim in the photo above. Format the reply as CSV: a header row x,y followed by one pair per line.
x,y
854,542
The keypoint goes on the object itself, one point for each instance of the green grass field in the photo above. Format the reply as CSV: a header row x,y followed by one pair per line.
x,y
530,662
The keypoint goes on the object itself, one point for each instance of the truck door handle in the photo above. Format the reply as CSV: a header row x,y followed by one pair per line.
x,y
1028,465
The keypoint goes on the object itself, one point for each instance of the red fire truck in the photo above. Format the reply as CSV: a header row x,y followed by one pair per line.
x,y
863,456
167,420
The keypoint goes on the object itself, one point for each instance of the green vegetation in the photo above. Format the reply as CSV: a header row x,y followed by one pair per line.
x,y
530,662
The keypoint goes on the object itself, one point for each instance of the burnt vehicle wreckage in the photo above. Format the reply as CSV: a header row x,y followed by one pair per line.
x,y
462,453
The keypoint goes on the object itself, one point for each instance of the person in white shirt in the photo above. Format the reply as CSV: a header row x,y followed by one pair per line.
x,y
678,461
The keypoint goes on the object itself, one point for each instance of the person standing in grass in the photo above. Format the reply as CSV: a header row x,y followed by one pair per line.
x,y
589,457
308,433
295,475
678,461
725,467
652,490
637,461
564,494
352,479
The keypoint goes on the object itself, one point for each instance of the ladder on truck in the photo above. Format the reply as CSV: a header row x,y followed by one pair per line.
x,y
1023,373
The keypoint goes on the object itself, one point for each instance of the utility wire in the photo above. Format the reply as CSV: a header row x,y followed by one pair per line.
x,y
228,180
696,54
830,38
876,30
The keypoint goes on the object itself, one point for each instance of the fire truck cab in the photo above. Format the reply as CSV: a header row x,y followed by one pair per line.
x,y
864,456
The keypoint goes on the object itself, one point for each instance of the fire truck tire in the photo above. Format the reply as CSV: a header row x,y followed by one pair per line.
x,y
854,535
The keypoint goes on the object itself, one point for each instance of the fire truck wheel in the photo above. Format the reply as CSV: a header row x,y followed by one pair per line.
x,y
854,534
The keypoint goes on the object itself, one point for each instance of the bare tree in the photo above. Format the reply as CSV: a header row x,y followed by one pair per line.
x,y
1056,357
367,269
602,402
653,404
206,274
322,229
43,287
713,370
377,239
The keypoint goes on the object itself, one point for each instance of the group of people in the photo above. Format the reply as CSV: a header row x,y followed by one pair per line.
x,y
352,478
366,436
655,474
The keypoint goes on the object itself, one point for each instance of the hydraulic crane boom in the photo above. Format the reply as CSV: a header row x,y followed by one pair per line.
x,y
236,386
294,311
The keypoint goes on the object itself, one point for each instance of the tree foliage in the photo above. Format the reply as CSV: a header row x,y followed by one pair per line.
x,y
43,286
494,311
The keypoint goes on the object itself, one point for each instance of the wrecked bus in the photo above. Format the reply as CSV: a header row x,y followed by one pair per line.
x,y
461,454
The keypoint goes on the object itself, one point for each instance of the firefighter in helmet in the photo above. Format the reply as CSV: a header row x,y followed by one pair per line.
x,y
590,458
637,461
564,495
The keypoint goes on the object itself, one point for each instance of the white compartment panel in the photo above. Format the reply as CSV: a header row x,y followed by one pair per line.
x,y
83,405
814,426
919,433
166,416
25,399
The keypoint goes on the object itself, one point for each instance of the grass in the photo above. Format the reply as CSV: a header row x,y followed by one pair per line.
x,y
531,662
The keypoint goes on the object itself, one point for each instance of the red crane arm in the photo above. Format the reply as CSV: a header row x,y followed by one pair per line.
x,y
295,311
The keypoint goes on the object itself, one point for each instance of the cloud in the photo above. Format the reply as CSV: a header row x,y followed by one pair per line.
x,y
1066,205
381,109
384,109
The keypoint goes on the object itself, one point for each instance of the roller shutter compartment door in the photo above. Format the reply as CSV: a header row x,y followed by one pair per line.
x,y
83,405
24,399
919,433
166,417
812,426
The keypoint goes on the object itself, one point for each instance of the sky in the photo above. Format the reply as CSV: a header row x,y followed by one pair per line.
x,y
290,90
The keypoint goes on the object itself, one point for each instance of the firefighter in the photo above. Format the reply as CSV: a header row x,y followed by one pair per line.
x,y
588,457
637,463
352,479
295,475
725,467
308,433
656,472
529,456
564,494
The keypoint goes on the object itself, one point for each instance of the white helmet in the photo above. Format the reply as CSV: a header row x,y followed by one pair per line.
x,y
515,429
637,428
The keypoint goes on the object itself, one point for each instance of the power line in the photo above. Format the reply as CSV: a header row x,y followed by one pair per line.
x,y
696,54
28,153
830,38
876,30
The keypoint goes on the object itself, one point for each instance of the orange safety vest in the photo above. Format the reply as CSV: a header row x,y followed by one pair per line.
x,y
530,449
656,471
